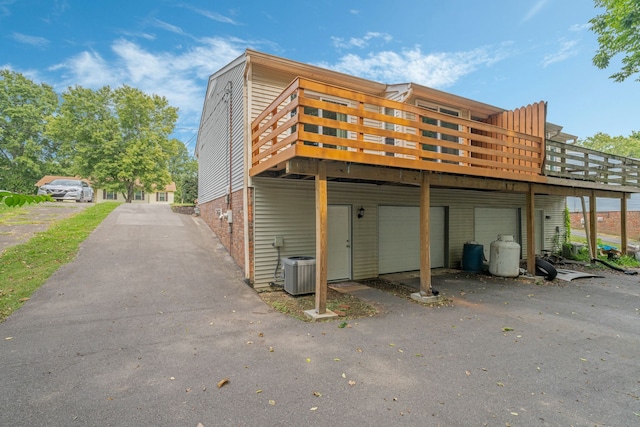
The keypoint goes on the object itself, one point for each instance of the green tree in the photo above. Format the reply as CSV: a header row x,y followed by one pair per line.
x,y
184,172
619,145
618,31
25,153
119,138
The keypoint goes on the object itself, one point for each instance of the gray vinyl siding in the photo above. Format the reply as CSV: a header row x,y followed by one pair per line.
x,y
213,136
287,208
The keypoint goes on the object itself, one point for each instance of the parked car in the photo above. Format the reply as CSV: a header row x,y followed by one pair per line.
x,y
68,189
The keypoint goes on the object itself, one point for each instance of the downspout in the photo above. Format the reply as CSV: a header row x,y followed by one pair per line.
x,y
229,93
246,153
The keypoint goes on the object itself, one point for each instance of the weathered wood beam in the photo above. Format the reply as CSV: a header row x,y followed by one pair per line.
x,y
321,238
309,166
531,231
425,235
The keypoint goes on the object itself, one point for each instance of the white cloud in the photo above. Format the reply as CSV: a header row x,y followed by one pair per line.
x,y
433,69
213,16
4,7
168,27
30,40
535,9
87,69
579,27
360,42
567,50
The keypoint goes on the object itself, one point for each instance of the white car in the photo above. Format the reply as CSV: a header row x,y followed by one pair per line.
x,y
68,189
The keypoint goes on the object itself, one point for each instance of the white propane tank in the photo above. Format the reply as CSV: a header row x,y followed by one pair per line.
x,y
504,258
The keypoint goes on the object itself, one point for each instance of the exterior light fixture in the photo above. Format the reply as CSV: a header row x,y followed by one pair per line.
x,y
361,212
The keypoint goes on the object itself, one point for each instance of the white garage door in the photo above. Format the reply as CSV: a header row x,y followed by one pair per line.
x,y
490,222
399,238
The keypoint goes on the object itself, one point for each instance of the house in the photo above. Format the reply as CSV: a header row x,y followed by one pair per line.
x,y
140,196
372,178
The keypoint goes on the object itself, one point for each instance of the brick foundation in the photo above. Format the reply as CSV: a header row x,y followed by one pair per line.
x,y
609,223
231,235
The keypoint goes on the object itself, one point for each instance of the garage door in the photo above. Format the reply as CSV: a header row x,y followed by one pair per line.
x,y
399,238
490,222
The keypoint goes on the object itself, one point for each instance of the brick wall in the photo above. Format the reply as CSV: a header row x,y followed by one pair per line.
x,y
231,235
609,223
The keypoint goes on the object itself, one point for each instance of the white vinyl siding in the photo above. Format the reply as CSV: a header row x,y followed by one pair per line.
x,y
491,222
287,208
214,156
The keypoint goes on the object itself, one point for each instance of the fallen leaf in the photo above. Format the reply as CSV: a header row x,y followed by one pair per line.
x,y
507,329
172,378
187,390
272,402
359,350
583,359
315,408
514,413
400,350
468,373
342,325
260,334
344,375
249,342
223,382
270,349
500,384
308,360
352,383
8,338
336,359
258,391
24,299
317,394
419,355
200,425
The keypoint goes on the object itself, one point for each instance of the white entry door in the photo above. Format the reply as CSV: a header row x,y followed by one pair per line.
x,y
339,242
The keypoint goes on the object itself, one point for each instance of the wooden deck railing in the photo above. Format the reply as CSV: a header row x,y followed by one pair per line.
x,y
575,162
315,120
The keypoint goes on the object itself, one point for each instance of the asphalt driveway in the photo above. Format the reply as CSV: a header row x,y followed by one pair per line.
x,y
143,336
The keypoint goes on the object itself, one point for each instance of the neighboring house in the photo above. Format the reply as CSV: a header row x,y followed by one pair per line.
x,y
372,178
140,196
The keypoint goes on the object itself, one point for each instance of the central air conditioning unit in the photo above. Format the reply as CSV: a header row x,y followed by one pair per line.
x,y
299,274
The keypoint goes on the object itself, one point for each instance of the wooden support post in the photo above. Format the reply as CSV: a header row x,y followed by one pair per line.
x,y
593,213
321,239
425,244
623,225
531,231
587,227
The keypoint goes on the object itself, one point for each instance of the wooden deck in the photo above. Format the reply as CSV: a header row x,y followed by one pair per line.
x,y
319,121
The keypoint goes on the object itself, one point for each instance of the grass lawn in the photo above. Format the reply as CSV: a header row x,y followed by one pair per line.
x,y
24,268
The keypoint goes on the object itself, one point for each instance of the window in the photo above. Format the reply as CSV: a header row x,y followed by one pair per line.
x,y
109,195
161,196
441,134
326,130
138,195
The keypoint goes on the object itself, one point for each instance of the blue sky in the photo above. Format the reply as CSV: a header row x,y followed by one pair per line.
x,y
504,53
